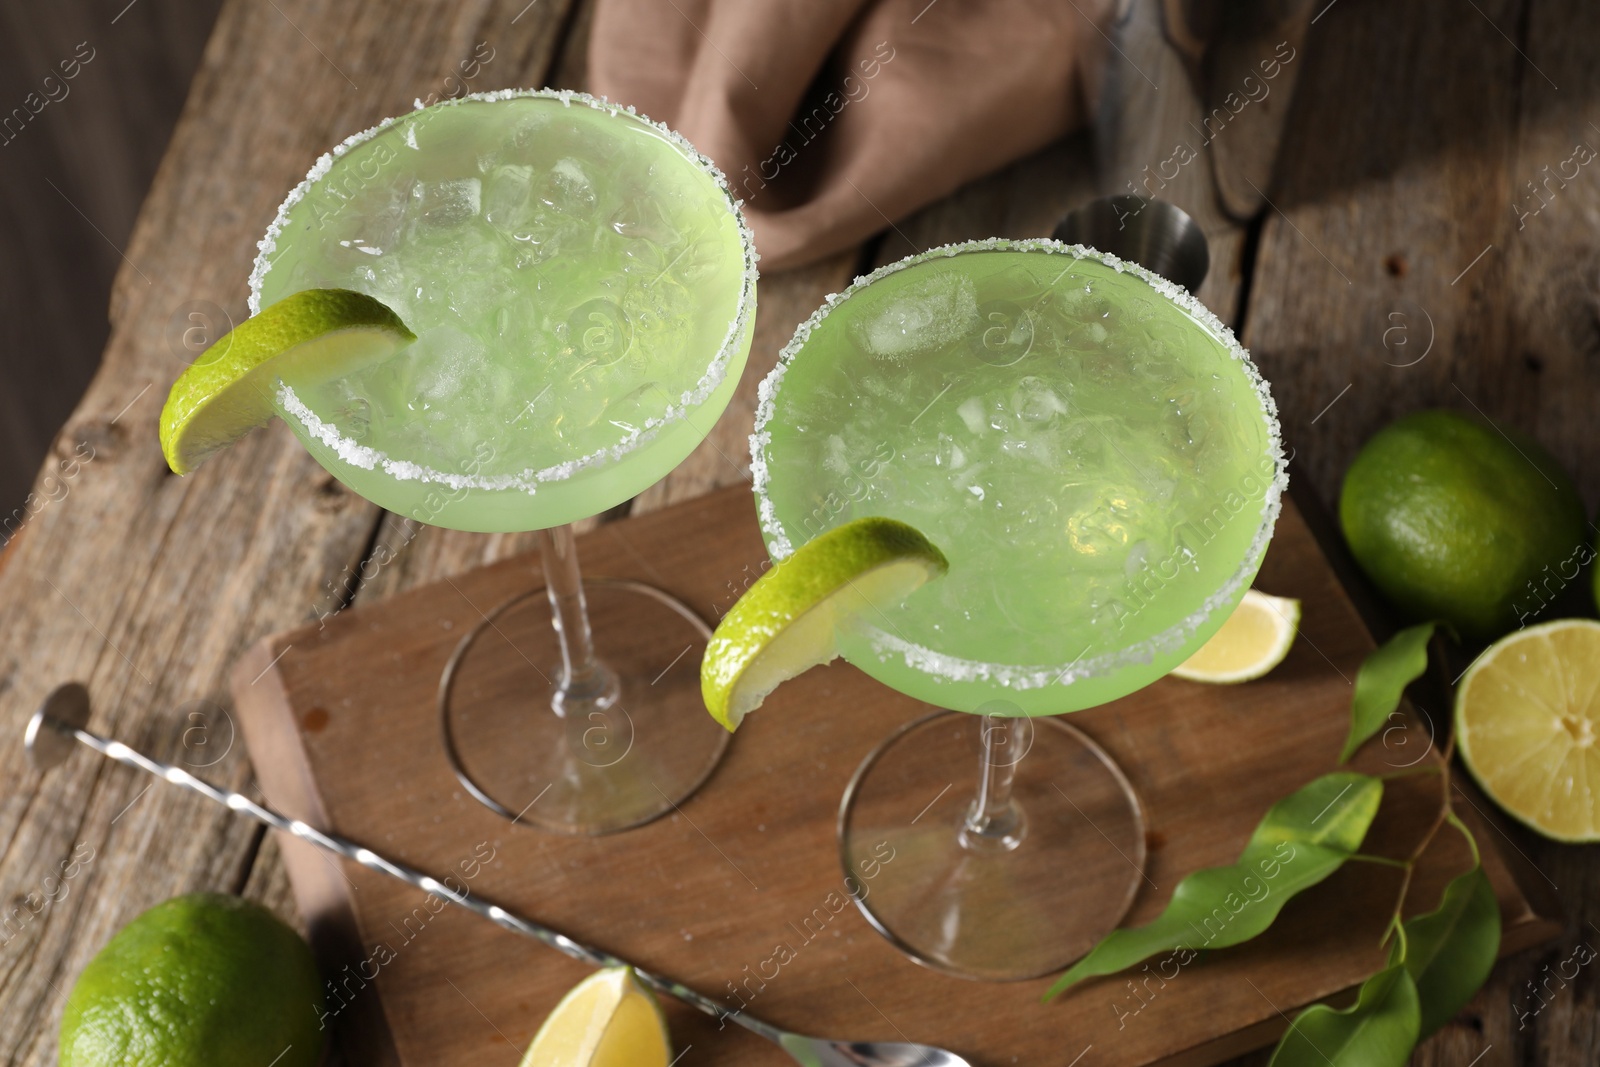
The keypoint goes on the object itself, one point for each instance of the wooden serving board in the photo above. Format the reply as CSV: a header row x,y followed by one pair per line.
x,y
341,722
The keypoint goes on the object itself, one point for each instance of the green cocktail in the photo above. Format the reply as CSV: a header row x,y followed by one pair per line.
x,y
1101,465
582,288
1093,458
578,286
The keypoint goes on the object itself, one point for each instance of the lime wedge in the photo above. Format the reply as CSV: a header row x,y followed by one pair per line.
x,y
788,621
1528,725
311,337
607,1020
1254,640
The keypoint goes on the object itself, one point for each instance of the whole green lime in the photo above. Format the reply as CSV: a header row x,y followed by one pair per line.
x,y
1463,521
204,980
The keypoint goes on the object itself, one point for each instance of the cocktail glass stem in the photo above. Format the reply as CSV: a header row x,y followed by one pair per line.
x,y
993,819
587,688
604,745
1014,880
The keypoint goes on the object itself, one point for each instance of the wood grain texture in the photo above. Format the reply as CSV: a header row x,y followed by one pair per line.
x,y
75,163
344,727
1397,225
1413,132
148,587
1400,232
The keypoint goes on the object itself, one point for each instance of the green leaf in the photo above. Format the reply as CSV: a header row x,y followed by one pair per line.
x,y
1450,950
1384,675
1379,1030
1304,838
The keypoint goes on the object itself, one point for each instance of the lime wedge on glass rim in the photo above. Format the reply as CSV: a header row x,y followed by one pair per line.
x,y
607,1020
313,336
788,621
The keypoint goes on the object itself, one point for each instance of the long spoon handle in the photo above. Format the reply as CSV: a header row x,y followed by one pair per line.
x,y
121,753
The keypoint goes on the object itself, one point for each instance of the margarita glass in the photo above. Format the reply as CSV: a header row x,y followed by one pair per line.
x,y
582,288
1101,465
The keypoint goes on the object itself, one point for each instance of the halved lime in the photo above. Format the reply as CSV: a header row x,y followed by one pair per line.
x,y
1528,726
1254,640
607,1020
788,621
311,337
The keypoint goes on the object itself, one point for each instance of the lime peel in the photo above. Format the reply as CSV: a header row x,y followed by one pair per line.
x,y
789,620
204,978
312,336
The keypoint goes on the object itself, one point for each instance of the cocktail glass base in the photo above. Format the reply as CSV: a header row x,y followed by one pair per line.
x,y
1049,876
616,763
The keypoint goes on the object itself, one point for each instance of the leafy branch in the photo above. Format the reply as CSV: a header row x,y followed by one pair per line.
x,y
1302,840
1437,960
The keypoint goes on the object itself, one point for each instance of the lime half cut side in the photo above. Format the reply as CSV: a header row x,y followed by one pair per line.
x,y
789,620
1528,726
1253,640
311,337
608,1020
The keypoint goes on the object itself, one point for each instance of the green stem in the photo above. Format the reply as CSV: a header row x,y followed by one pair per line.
x,y
1446,815
1407,772
1472,842
1397,928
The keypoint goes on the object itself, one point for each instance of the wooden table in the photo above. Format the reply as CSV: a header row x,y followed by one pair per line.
x,y
1393,215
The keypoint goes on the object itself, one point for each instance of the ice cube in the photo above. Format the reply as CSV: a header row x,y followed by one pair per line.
x,y
529,134
1005,333
578,411
641,219
447,204
369,224
1096,525
949,455
968,476
630,412
662,318
446,357
598,332
934,312
1035,402
971,412
506,196
476,298
567,189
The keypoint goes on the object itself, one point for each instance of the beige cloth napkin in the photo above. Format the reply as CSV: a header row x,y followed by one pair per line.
x,y
831,118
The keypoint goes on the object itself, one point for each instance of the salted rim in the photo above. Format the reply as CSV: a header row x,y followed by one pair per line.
x,y
527,481
1014,676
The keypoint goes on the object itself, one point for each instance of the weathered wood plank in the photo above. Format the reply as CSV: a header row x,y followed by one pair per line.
x,y
71,178
1387,218
1396,272
148,587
